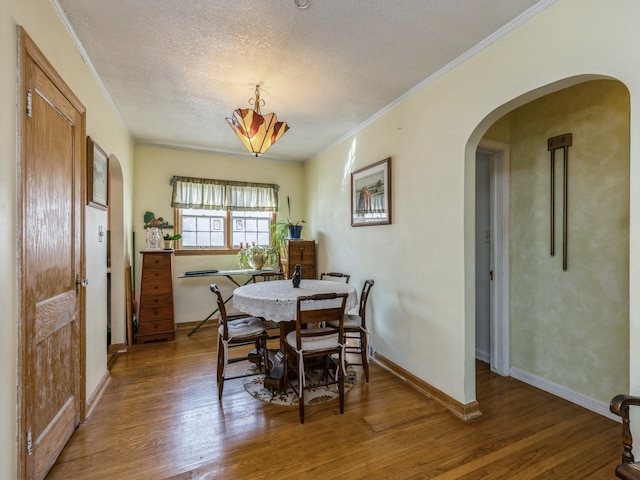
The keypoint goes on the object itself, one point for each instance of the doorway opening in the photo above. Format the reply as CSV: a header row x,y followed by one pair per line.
x,y
492,255
117,261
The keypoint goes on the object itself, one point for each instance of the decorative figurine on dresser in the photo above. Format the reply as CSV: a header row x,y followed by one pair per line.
x,y
297,276
155,305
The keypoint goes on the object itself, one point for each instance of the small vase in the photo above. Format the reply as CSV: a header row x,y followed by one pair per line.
x,y
168,244
154,240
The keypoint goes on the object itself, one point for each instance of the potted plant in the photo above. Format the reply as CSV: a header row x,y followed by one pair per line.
x,y
256,256
288,229
168,240
285,230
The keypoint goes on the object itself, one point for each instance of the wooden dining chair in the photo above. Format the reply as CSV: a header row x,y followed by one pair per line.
x,y
325,344
355,328
267,276
336,276
273,329
239,331
629,469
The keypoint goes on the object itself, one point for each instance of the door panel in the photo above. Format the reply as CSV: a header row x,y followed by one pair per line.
x,y
51,251
483,256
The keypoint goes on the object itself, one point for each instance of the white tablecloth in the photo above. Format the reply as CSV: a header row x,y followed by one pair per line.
x,y
277,300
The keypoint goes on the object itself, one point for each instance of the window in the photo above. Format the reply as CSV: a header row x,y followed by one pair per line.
x,y
223,215
219,229
202,228
251,227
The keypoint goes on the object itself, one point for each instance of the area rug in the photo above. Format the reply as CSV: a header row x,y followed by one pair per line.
x,y
312,396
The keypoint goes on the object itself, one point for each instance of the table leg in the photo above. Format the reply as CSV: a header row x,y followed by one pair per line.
x,y
275,381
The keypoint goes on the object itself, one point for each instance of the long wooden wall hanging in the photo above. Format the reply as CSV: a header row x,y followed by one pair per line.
x,y
563,141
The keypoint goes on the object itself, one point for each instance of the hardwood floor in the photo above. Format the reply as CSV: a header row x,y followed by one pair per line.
x,y
160,418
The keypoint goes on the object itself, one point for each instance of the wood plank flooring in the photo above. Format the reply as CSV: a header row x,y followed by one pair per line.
x,y
160,418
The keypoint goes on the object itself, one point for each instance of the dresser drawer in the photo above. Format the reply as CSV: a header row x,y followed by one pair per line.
x,y
157,260
155,327
157,300
302,253
156,288
156,275
156,313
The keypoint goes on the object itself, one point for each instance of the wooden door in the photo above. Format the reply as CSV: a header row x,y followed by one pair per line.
x,y
52,301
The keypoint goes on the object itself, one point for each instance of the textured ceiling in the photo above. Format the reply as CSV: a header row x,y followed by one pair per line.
x,y
176,68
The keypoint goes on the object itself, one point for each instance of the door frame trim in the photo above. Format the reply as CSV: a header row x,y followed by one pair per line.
x,y
499,287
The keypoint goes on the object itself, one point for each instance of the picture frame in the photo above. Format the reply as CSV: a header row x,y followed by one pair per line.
x,y
97,175
371,194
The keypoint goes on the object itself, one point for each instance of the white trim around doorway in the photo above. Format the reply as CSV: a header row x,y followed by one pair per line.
x,y
499,205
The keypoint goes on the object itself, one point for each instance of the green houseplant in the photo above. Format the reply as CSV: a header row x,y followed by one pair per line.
x,y
282,232
286,229
256,256
168,240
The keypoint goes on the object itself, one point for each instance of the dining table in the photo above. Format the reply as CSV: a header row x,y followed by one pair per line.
x,y
277,302
229,275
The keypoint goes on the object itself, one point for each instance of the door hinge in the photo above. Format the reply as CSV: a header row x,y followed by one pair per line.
x,y
29,443
491,275
29,102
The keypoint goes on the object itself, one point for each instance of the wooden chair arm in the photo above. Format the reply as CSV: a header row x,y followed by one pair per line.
x,y
620,406
621,403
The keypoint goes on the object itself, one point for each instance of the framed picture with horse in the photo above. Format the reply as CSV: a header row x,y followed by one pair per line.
x,y
371,194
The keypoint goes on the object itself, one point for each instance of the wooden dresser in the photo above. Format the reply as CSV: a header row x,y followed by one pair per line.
x,y
301,252
155,305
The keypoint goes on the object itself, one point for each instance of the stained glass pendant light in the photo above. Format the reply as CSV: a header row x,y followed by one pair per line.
x,y
256,131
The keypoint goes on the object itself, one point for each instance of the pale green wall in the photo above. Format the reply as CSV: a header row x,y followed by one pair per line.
x,y
152,192
572,328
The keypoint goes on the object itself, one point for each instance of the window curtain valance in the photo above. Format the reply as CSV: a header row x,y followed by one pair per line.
x,y
210,194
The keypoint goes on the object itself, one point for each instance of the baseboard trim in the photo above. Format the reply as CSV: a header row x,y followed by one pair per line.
x,y
97,394
465,412
114,352
212,322
483,356
563,392
117,348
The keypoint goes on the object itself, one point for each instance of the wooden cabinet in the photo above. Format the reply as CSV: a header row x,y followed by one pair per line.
x,y
301,252
155,305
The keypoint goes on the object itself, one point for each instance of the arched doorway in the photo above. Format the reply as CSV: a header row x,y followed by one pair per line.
x,y
569,329
117,257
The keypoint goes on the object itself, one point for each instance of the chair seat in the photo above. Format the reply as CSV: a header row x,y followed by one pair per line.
x,y
243,327
320,342
350,321
628,471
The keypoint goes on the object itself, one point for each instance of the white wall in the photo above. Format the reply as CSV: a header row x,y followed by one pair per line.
x,y
423,301
42,22
154,167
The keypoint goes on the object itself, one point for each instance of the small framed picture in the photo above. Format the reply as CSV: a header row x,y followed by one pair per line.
x,y
371,194
97,175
